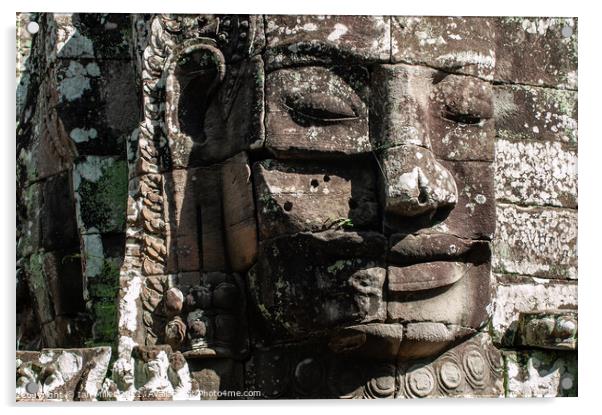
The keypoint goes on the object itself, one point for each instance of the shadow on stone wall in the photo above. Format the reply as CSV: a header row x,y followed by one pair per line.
x,y
80,106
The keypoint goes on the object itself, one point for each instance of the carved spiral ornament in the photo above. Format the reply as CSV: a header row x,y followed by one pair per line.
x,y
420,381
475,367
450,375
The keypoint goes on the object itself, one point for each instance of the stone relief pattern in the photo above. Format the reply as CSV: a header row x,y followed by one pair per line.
x,y
146,244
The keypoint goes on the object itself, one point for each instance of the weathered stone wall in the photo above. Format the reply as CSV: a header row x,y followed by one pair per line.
x,y
535,247
77,104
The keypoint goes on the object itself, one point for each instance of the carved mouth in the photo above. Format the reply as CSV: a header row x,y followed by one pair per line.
x,y
428,261
364,277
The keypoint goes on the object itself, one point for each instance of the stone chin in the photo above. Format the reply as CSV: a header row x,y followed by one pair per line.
x,y
370,295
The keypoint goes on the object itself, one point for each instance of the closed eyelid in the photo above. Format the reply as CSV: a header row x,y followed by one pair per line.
x,y
321,106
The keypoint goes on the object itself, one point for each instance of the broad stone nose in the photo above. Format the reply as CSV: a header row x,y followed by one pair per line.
x,y
414,183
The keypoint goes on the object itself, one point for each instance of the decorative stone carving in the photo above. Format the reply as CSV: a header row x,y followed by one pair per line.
x,y
554,329
61,374
473,368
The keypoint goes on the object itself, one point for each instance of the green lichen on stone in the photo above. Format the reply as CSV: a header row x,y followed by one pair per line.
x,y
103,202
37,284
103,291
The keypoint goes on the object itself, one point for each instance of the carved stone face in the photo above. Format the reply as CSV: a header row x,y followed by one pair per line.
x,y
369,182
375,211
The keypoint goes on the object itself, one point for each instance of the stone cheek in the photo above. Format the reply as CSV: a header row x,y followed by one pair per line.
x,y
309,284
293,197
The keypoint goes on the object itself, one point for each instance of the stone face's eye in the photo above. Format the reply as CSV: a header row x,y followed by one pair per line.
x,y
451,114
464,100
320,107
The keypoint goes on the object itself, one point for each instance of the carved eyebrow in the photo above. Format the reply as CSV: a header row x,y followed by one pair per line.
x,y
314,51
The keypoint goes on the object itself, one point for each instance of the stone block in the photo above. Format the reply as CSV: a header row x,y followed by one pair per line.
x,y
550,329
67,331
455,44
96,104
238,202
540,374
63,273
61,374
45,150
100,185
515,295
317,111
536,241
536,173
542,114
58,221
294,197
29,229
38,287
91,35
217,378
294,40
548,44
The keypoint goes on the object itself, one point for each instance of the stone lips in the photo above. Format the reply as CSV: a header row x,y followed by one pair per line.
x,y
336,279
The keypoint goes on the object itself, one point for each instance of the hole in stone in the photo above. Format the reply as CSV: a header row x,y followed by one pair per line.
x,y
314,183
288,206
422,198
352,204
326,178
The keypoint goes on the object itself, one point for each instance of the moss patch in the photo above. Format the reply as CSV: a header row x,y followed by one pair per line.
x,y
103,202
103,291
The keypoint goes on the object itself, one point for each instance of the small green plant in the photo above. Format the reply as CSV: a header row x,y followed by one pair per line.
x,y
340,223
